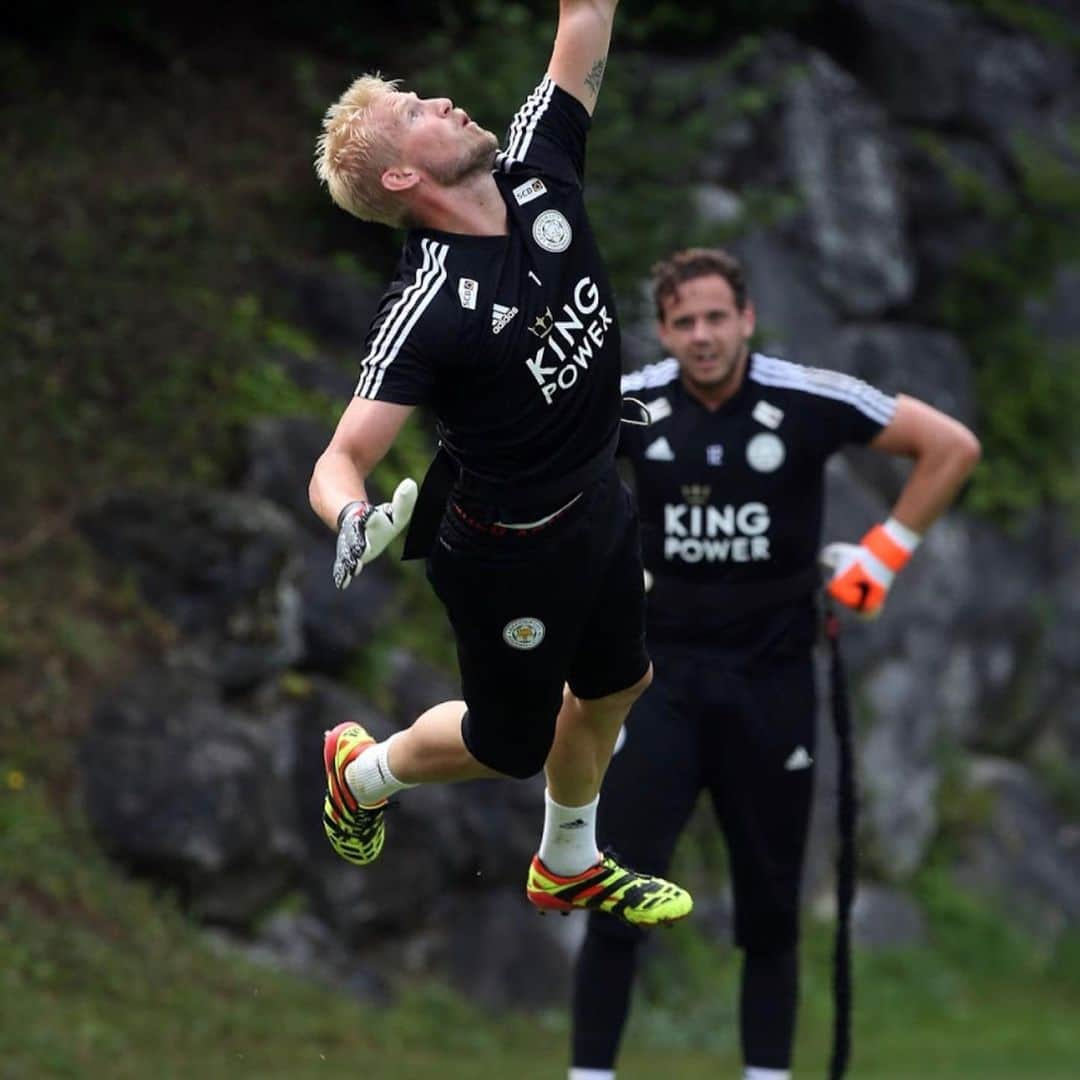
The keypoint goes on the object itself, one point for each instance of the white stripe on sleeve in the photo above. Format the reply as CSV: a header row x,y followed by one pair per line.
x,y
410,305
650,376
523,126
871,402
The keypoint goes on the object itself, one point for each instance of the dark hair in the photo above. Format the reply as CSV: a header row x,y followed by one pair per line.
x,y
668,274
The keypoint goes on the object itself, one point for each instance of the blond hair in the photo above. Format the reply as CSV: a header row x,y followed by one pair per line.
x,y
354,149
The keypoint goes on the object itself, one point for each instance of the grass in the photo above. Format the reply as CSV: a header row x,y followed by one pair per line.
x,y
103,978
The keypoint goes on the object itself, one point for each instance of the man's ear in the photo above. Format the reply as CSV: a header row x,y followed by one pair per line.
x,y
749,317
399,178
661,334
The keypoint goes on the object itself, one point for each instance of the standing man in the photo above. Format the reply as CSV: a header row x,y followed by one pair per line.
x,y
730,482
501,319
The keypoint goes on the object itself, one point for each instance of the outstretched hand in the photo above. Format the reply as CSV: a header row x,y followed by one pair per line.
x,y
364,531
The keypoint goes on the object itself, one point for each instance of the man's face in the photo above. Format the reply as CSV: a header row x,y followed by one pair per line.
x,y
707,333
432,136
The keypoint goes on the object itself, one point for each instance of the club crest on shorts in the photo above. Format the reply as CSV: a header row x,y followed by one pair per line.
x,y
765,452
525,633
552,231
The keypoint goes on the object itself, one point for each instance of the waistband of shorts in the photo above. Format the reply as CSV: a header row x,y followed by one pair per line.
x,y
491,528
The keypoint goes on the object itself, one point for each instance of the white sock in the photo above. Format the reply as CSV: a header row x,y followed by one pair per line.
x,y
568,846
369,776
592,1074
752,1072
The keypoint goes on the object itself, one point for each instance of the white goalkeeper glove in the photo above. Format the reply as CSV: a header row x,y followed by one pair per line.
x,y
365,530
863,573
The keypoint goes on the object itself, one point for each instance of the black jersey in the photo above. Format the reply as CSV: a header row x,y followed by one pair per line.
x,y
511,340
735,496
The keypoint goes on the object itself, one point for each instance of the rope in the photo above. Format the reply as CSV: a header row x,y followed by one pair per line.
x,y
845,856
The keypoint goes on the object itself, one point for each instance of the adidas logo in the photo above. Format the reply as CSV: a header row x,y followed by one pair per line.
x,y
501,316
799,759
660,450
579,824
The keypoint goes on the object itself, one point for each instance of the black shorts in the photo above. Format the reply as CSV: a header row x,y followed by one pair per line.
x,y
745,735
530,613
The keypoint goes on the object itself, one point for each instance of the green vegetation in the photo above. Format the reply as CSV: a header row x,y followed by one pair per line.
x,y
101,977
1032,18
1028,387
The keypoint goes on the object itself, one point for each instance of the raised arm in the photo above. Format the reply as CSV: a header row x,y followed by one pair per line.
x,y
581,47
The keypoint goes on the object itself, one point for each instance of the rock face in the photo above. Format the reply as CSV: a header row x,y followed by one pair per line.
x,y
205,772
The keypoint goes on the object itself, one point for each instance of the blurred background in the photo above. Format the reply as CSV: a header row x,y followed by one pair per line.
x,y
182,313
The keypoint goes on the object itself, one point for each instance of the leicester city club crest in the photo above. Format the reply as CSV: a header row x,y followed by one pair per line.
x,y
552,231
523,633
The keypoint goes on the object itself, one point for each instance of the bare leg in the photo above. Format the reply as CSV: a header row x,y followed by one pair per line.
x,y
585,735
433,750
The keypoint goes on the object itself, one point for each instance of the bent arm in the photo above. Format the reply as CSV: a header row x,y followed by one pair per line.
x,y
581,47
365,432
944,453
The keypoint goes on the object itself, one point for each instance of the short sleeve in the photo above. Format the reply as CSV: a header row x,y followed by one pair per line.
x,y
548,134
846,409
402,342
853,411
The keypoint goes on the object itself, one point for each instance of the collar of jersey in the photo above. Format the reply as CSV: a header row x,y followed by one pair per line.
x,y
733,403
422,231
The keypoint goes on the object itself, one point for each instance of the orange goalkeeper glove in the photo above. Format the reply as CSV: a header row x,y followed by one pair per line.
x,y
863,573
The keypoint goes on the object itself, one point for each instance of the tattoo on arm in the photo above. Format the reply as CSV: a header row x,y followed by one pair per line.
x,y
595,76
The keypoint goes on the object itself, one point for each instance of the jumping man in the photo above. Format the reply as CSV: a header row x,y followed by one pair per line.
x,y
502,320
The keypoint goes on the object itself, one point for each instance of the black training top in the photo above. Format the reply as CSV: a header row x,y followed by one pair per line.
x,y
735,496
512,340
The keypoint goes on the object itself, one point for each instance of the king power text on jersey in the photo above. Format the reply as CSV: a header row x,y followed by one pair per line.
x,y
716,533
569,343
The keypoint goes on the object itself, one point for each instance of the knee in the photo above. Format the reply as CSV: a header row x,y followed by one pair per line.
x,y
768,932
517,748
641,685
621,701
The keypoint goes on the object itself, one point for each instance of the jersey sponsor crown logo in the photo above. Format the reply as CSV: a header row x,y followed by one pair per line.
x,y
696,494
768,414
541,327
501,316
531,189
660,450
467,290
552,231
